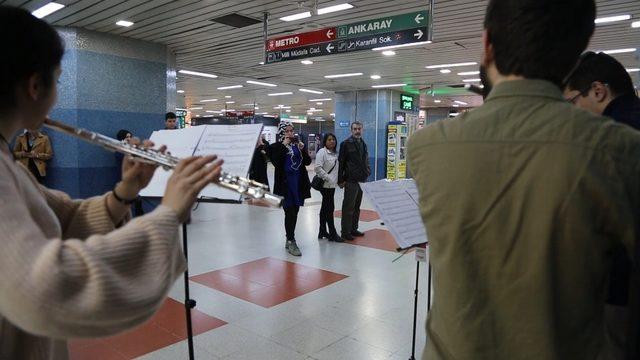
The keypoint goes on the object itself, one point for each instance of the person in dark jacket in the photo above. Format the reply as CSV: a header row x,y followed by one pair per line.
x,y
353,168
290,158
258,168
601,84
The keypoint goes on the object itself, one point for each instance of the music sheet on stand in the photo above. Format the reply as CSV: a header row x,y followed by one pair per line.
x,y
234,144
397,204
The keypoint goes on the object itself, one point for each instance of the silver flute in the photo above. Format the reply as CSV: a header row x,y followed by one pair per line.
x,y
238,184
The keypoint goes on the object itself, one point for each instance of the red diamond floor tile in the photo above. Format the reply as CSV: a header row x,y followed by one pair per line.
x,y
365,215
268,281
377,239
166,327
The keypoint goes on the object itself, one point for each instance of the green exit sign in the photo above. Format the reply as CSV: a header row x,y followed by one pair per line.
x,y
406,102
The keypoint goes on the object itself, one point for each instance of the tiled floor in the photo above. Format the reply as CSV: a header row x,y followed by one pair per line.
x,y
255,301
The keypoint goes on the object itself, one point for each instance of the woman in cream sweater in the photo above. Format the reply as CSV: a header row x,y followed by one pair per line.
x,y
75,268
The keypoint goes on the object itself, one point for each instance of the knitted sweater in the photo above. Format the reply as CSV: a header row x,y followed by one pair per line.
x,y
67,272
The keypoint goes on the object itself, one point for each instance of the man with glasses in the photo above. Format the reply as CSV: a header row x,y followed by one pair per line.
x,y
600,84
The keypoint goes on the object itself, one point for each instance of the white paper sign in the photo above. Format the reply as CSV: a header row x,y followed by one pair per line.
x,y
397,204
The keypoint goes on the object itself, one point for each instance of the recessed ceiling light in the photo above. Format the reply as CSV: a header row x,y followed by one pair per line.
x,y
196,73
633,70
310,91
230,87
382,48
307,62
437,101
227,96
460,102
445,71
229,102
342,75
326,99
124,23
468,73
376,77
620,51
48,9
209,100
388,85
260,83
451,65
334,8
388,53
180,91
635,24
610,19
295,17
280,94
471,80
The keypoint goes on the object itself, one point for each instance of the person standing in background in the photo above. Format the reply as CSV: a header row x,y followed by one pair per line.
x,y
170,121
327,169
258,168
33,149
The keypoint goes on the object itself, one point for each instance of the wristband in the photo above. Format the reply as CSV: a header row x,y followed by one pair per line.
x,y
123,201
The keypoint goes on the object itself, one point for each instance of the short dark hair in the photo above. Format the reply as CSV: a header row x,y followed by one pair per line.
x,y
326,137
539,39
170,115
600,67
31,47
355,123
122,134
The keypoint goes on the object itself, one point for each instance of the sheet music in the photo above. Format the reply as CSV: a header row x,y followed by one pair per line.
x,y
180,143
398,206
233,143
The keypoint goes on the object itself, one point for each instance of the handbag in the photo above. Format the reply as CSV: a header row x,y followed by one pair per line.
x,y
317,183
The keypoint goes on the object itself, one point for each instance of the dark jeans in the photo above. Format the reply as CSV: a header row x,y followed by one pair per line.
x,y
351,207
290,220
326,212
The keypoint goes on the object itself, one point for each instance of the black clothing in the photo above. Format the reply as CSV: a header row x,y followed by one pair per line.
x,y
625,109
258,168
351,207
277,152
290,220
326,211
354,161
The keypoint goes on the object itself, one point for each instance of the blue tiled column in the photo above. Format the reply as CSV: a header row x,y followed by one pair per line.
x,y
108,83
374,109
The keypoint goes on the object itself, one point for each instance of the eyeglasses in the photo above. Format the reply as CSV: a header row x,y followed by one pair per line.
x,y
574,98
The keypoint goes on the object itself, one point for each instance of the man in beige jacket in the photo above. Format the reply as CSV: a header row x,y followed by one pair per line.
x,y
525,198
72,268
33,149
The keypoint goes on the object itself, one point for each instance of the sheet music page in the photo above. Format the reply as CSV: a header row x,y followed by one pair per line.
x,y
234,144
181,143
397,204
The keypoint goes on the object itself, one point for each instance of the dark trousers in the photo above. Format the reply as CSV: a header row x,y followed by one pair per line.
x,y
290,220
351,207
326,212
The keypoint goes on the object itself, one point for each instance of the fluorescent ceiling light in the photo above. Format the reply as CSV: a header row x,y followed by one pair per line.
x,y
445,71
334,8
315,110
48,9
451,65
196,108
230,87
196,73
229,102
619,51
388,53
387,85
471,80
376,77
181,109
311,109
310,91
633,70
455,105
307,62
332,114
180,91
437,101
454,114
288,110
309,112
260,83
213,111
227,96
467,73
261,63
382,48
319,103
252,104
197,115
230,110
635,24
326,99
460,102
295,17
209,100
256,108
342,75
280,94
282,107
124,23
610,19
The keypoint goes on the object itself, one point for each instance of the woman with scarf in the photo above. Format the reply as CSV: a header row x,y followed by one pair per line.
x,y
289,157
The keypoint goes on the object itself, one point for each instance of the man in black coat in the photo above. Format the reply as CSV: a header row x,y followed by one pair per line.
x,y
353,168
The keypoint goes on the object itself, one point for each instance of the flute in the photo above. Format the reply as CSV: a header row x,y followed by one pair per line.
x,y
238,184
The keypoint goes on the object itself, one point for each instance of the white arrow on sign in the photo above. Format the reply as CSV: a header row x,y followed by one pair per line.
x,y
419,34
329,47
419,18
329,33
